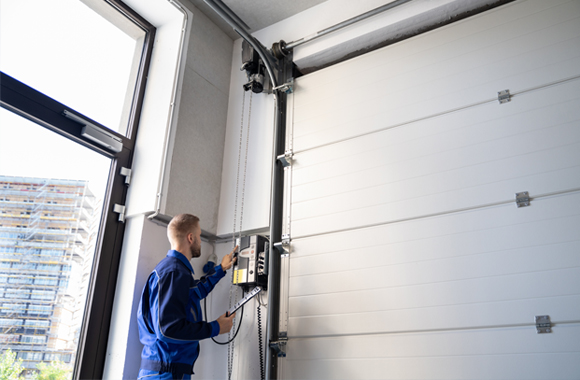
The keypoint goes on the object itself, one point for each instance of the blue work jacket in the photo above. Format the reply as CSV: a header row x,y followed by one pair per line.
x,y
170,319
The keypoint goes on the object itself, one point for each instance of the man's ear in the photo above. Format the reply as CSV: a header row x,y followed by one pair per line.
x,y
190,237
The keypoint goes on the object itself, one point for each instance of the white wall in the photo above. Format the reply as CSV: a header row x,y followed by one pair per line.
x,y
193,178
158,109
144,246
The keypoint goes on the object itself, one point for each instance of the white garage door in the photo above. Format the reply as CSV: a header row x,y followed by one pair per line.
x,y
410,259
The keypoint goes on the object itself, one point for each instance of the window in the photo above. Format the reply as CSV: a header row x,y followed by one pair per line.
x,y
94,52
10,322
42,295
39,100
33,339
30,355
37,322
10,308
17,293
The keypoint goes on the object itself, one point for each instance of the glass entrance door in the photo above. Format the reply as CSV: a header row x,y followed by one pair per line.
x,y
51,202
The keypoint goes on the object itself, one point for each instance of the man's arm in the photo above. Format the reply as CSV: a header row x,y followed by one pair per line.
x,y
206,284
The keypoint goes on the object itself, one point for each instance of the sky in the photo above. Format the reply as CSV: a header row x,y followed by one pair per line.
x,y
70,53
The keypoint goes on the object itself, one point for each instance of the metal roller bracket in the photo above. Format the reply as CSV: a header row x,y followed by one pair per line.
x,y
286,158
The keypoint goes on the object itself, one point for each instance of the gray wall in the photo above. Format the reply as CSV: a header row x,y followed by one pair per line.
x,y
194,174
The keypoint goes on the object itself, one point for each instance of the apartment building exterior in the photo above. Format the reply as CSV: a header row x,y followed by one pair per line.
x,y
48,229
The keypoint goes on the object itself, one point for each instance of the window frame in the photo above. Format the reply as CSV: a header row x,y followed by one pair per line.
x,y
29,103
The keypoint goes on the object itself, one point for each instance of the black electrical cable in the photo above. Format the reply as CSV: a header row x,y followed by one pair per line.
x,y
260,344
239,325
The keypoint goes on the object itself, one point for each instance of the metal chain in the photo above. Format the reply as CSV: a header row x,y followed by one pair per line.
x,y
234,289
245,164
238,172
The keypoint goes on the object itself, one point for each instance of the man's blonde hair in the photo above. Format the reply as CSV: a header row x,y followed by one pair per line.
x,y
181,225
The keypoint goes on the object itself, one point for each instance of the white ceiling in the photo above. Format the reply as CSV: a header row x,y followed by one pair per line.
x,y
257,14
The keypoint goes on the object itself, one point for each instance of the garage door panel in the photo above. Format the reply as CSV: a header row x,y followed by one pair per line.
x,y
465,46
409,258
307,261
539,110
379,118
457,270
495,341
370,170
513,286
513,367
495,182
545,221
464,316
443,84
473,354
390,105
434,204
391,255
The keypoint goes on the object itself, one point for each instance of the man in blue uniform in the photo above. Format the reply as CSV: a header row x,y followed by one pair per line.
x,y
169,315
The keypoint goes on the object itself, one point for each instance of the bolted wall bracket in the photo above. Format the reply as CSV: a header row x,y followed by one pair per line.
x,y
287,87
283,247
279,347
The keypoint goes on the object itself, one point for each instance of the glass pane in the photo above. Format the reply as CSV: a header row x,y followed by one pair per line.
x,y
84,57
51,198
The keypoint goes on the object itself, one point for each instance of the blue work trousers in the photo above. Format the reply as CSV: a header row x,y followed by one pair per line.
x,y
146,374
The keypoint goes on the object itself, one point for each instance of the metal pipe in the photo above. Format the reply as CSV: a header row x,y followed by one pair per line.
x,y
230,17
371,13
231,14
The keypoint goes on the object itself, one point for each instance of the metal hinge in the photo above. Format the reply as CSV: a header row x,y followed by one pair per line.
x,y
126,172
504,96
120,209
279,347
543,324
286,158
522,199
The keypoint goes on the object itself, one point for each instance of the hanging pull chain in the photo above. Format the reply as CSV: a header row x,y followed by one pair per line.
x,y
234,289
245,165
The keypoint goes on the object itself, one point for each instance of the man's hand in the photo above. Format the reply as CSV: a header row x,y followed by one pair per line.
x,y
229,260
226,323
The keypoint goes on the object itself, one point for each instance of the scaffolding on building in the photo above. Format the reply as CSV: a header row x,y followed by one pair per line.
x,y
48,230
